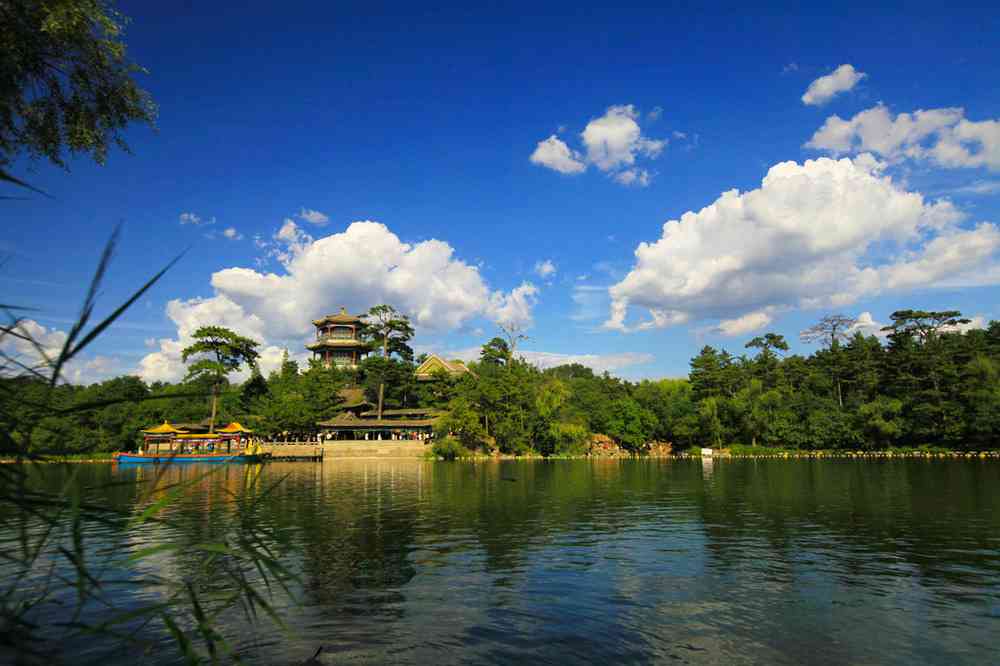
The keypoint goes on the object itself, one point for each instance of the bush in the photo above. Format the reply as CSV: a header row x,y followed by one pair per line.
x,y
448,448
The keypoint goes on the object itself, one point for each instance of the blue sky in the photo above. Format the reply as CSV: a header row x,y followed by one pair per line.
x,y
425,120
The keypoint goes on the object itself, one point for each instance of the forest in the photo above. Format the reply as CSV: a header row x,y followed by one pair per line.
x,y
926,382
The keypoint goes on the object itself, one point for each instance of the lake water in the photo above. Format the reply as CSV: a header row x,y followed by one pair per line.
x,y
668,561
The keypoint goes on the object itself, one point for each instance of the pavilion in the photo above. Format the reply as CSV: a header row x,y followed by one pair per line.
x,y
338,340
399,424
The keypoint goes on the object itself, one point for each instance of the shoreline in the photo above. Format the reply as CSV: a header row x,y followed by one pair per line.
x,y
722,454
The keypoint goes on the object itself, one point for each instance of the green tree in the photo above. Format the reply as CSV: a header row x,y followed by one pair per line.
x,y
220,352
390,332
66,83
831,331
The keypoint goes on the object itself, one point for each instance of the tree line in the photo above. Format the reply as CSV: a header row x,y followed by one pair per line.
x,y
928,383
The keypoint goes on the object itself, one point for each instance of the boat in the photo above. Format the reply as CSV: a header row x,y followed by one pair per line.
x,y
167,444
167,458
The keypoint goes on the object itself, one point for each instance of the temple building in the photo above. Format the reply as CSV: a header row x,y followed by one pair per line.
x,y
434,366
337,340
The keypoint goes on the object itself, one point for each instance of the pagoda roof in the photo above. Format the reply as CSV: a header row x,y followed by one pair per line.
x,y
164,429
410,411
351,422
235,426
342,317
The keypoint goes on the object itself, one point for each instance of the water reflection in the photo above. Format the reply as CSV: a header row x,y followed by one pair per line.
x,y
694,561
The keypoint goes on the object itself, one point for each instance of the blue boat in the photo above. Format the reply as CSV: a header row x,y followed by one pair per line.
x,y
166,458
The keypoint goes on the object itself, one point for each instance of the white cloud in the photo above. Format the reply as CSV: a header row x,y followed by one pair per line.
x,y
49,341
313,217
596,362
825,88
637,177
612,142
790,67
615,140
942,136
514,309
865,324
364,265
545,269
232,234
195,219
980,188
819,234
556,155
752,321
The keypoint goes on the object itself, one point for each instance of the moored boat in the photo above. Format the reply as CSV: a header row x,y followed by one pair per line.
x,y
166,458
166,444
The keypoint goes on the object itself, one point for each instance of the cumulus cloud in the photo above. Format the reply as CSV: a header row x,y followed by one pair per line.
x,y
615,140
514,309
313,217
19,352
819,234
232,234
825,88
942,136
556,155
865,324
545,269
613,143
195,219
753,321
363,265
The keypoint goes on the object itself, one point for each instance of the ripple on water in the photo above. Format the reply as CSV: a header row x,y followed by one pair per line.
x,y
602,561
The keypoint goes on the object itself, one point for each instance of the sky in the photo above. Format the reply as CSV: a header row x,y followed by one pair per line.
x,y
625,183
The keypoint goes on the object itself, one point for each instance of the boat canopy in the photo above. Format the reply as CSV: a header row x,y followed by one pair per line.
x,y
235,426
165,429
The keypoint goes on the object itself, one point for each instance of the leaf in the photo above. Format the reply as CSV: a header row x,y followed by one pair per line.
x,y
6,177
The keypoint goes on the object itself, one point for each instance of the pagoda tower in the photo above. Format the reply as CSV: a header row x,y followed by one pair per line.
x,y
337,340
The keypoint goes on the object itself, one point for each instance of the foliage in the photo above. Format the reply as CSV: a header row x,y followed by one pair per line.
x,y
219,352
66,83
448,448
389,331
50,567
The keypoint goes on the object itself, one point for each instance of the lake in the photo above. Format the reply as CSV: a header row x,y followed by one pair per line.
x,y
669,561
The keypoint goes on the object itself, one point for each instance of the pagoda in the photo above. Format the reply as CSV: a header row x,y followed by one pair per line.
x,y
337,340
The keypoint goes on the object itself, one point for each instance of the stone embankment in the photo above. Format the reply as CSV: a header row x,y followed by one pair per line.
x,y
347,449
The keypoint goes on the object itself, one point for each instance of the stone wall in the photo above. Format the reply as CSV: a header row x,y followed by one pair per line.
x,y
349,449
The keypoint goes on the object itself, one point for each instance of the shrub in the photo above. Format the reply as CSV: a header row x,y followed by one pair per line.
x,y
449,448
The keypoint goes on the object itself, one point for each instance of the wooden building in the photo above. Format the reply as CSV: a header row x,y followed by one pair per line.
x,y
338,340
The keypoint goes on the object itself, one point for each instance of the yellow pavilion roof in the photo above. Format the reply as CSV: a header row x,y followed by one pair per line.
x,y
164,429
235,426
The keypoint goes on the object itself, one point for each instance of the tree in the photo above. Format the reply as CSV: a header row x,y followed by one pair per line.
x,y
513,333
390,330
229,350
832,330
65,81
495,352
766,363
